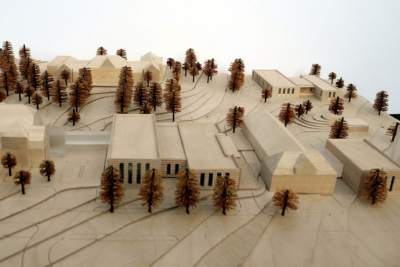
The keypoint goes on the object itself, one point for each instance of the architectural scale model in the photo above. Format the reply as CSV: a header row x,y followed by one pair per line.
x,y
168,162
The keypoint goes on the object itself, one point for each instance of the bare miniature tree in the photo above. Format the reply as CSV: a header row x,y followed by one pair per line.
x,y
187,193
300,110
340,83
351,89
29,93
186,67
9,161
19,89
59,93
194,71
47,83
336,106
37,100
152,190
171,62
78,95
173,103
266,94
148,76
47,169
22,178
112,188
308,105
34,76
375,190
140,94
287,114
392,130
339,130
191,58
315,70
74,117
3,95
65,74
224,196
177,72
234,118
101,51
381,102
122,53
332,76
286,200
155,96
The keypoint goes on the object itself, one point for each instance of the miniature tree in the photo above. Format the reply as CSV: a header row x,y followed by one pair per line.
x,y
300,110
126,76
148,76
336,106
152,190
199,66
7,47
234,119
287,115
208,70
5,82
3,95
351,89
392,130
123,97
122,53
194,71
47,83
74,117
286,200
340,129
236,81
19,89
186,67
7,64
145,109
47,169
65,74
315,70
112,188
22,178
77,95
340,83
214,67
187,193
37,100
34,76
155,96
24,52
381,102
86,79
224,193
101,51
266,94
140,94
191,58
332,76
9,161
177,72
24,62
171,63
375,190
307,105
29,93
237,65
173,103
171,85
59,93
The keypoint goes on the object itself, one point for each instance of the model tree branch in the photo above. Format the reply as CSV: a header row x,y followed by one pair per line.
x,y
123,95
224,193
339,130
22,178
315,70
194,71
152,190
351,92
47,169
286,200
381,102
336,106
375,190
287,114
9,161
78,95
112,189
190,59
234,118
187,193
24,61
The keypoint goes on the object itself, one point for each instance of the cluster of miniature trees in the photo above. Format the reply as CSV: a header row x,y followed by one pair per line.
x,y
288,113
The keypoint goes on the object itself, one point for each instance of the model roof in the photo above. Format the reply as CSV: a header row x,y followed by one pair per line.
x,y
134,137
320,83
170,141
363,154
301,82
202,148
150,56
275,78
10,113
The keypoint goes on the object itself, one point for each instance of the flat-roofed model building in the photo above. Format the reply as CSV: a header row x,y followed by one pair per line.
x,y
324,91
359,157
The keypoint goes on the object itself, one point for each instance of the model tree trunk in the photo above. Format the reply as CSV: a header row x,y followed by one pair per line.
x,y
74,117
234,118
381,102
332,76
351,89
187,193
214,67
194,71
340,129
287,114
375,190
112,189
185,67
392,130
336,106
152,191
224,196
286,200
9,161
47,169
22,178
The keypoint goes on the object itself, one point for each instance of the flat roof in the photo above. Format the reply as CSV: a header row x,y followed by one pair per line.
x,y
202,148
170,141
134,137
275,78
301,82
320,83
364,155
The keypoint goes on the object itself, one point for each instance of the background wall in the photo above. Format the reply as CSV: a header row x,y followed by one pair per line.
x,y
356,39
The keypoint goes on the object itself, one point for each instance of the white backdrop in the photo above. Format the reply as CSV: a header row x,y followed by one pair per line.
x,y
359,40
